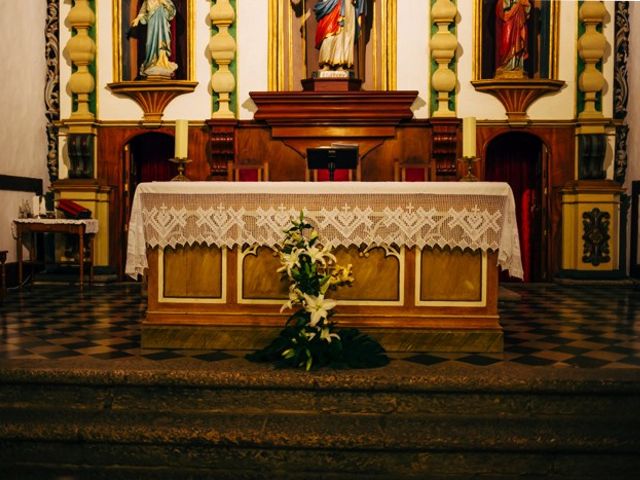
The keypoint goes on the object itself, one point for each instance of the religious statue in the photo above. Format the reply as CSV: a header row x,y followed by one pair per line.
x,y
339,23
157,14
511,37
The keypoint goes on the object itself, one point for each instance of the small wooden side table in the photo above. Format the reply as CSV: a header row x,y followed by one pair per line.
x,y
72,227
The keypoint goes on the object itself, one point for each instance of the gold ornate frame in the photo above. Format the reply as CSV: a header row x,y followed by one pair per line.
x,y
553,40
287,60
117,39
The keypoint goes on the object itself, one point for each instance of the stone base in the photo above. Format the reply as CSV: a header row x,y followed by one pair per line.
x,y
254,338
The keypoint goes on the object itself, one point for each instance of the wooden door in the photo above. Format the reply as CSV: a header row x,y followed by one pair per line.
x,y
145,159
518,158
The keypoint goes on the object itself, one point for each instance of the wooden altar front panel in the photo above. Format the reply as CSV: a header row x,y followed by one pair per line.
x,y
411,300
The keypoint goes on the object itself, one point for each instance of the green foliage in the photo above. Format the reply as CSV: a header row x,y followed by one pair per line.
x,y
309,338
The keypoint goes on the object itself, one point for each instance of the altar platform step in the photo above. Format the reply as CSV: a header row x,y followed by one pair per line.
x,y
238,420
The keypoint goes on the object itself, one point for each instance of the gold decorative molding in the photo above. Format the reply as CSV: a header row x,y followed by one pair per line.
x,y
117,39
290,27
517,95
153,96
554,38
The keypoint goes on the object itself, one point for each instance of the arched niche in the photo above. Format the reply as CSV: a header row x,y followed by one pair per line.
x,y
130,42
537,74
293,57
152,91
542,33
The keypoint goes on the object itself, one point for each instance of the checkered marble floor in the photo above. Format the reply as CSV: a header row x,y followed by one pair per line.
x,y
546,325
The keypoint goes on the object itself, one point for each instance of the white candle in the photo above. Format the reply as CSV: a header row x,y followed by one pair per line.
x,y
469,137
182,138
35,205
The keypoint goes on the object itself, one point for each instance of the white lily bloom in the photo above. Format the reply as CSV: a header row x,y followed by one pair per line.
x,y
290,260
320,255
325,335
318,307
295,297
309,335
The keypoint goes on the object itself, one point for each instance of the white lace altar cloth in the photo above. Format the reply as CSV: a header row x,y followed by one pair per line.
x,y
90,225
474,215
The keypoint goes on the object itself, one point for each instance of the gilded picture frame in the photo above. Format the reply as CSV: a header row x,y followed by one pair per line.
x,y
292,56
543,23
129,42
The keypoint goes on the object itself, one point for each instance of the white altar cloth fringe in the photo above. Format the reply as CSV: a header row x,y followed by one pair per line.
x,y
473,215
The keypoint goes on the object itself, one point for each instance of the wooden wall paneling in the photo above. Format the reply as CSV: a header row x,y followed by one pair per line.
x,y
111,171
222,147
256,145
445,150
284,149
411,144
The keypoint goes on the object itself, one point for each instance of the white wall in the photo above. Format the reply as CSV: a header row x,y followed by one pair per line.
x,y
252,36
23,144
413,56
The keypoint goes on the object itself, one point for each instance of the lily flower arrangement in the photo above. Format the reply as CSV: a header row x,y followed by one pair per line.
x,y
310,339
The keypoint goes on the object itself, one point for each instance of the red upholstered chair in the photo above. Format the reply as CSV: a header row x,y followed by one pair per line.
x,y
411,172
247,172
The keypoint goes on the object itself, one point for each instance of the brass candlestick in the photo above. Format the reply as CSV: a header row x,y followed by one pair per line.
x,y
469,161
181,177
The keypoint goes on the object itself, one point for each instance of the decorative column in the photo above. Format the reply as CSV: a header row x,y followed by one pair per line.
x,y
82,51
81,127
620,101
443,48
591,135
591,205
222,48
621,89
591,47
52,86
81,186
222,125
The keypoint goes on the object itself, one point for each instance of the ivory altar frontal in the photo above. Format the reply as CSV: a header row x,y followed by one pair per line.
x,y
425,259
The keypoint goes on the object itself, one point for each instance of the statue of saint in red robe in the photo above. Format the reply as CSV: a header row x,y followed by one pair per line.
x,y
511,37
338,27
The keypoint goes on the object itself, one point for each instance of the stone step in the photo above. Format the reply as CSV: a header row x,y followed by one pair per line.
x,y
257,422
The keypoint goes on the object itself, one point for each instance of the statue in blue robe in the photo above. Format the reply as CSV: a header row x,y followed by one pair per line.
x,y
157,14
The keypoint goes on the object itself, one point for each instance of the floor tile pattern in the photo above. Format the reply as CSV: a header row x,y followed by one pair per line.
x,y
545,325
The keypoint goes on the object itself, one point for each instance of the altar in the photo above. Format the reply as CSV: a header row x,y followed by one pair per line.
x,y
425,259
